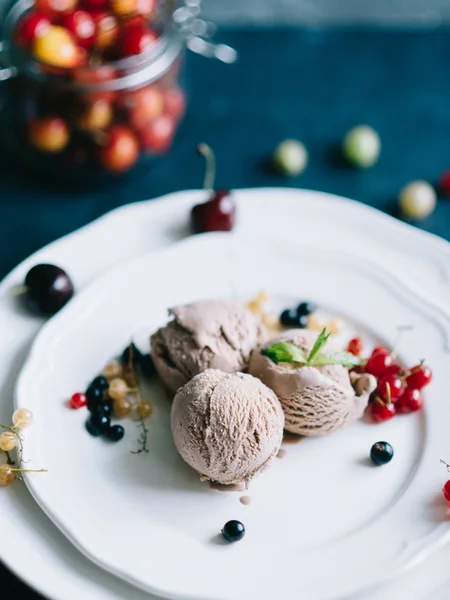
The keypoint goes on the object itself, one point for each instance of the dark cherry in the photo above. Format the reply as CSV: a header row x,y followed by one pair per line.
x,y
219,212
48,288
381,453
288,317
233,531
147,366
115,433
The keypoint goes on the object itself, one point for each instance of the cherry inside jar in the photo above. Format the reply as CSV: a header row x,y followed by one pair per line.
x,y
94,87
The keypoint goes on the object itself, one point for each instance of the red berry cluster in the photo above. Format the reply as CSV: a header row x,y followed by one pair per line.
x,y
109,127
398,390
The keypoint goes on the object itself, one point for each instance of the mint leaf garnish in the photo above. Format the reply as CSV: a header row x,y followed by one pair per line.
x,y
322,339
284,352
287,352
346,359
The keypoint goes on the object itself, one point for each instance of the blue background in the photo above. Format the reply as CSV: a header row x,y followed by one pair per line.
x,y
313,84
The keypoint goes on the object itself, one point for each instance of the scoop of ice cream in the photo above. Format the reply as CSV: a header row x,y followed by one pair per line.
x,y
315,400
211,334
228,427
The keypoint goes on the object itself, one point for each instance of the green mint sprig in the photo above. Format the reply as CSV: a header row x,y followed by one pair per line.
x,y
287,352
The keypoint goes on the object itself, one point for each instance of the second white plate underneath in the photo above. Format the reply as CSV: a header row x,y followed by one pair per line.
x,y
322,521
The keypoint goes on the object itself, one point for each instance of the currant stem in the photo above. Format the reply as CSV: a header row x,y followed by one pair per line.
x,y
25,470
446,464
19,290
210,173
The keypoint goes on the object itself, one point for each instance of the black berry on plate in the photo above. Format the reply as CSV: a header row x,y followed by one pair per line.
x,y
381,453
115,433
147,366
219,212
104,407
302,321
289,317
100,382
48,288
135,353
98,424
233,531
94,397
306,308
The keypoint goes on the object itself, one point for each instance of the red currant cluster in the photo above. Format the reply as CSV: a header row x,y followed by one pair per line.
x,y
398,389
112,127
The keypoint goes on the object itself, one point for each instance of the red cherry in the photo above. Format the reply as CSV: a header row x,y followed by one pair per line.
x,y
106,29
378,363
390,386
218,214
175,102
136,40
33,25
90,77
157,136
411,400
135,21
121,151
78,400
48,134
382,412
146,7
444,184
446,491
81,24
55,8
144,105
95,3
419,378
355,346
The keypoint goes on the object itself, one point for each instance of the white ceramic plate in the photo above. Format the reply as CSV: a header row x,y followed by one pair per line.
x,y
321,510
51,564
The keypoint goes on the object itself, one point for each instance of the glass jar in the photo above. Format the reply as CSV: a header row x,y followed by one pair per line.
x,y
97,119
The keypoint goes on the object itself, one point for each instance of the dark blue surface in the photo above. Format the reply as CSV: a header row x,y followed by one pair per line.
x,y
310,84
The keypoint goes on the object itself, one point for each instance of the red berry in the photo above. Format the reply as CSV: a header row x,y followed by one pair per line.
x,y
380,350
106,29
393,370
147,7
55,8
33,25
390,386
121,151
411,400
95,3
157,136
419,378
378,363
81,24
175,103
355,346
446,491
218,214
382,412
143,105
444,184
136,40
78,400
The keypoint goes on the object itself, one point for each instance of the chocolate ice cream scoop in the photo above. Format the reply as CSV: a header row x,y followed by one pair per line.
x,y
217,334
315,399
228,427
